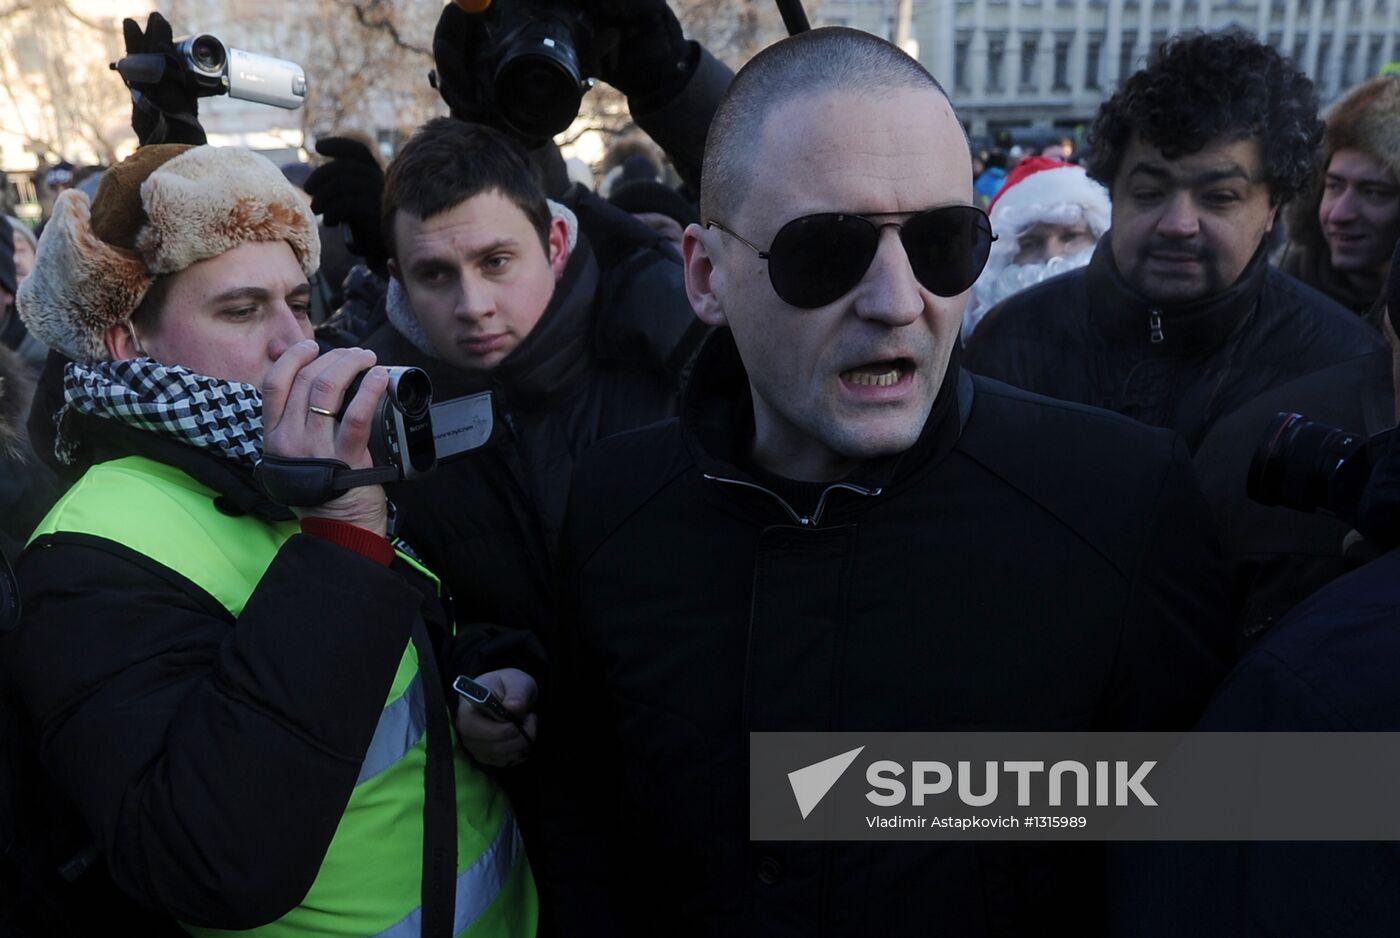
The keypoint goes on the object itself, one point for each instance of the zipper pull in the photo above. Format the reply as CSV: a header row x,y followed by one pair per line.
x,y
1156,324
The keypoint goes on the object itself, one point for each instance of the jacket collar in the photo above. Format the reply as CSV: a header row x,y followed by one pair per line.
x,y
1126,318
717,420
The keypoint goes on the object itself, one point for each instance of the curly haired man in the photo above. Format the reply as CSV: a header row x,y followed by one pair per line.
x,y
1178,320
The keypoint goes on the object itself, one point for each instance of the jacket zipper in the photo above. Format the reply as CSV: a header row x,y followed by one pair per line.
x,y
1155,323
804,521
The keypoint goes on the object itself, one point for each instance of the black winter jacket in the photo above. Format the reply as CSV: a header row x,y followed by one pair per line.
x,y
1027,565
1087,337
607,355
1329,667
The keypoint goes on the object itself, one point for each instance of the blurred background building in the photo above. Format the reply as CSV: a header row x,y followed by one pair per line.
x,y
1032,68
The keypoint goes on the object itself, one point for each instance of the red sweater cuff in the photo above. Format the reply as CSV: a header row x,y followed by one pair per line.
x,y
363,542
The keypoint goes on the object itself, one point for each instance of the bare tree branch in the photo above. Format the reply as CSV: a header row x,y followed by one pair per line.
x,y
365,14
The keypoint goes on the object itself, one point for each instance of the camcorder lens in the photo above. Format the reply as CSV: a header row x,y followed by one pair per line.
x,y
413,392
208,54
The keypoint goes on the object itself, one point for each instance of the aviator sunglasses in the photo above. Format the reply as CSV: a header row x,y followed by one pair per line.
x,y
817,259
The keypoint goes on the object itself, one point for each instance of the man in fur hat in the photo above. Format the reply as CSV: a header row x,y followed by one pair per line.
x,y
1341,235
244,703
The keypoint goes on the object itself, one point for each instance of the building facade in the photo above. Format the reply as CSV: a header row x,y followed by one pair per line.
x,y
1049,63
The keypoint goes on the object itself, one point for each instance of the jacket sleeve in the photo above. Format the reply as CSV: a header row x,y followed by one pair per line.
x,y
680,124
1177,639
211,758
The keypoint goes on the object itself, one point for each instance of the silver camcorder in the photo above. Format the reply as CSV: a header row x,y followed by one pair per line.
x,y
218,69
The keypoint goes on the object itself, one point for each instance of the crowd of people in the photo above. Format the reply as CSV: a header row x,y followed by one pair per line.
x,y
839,427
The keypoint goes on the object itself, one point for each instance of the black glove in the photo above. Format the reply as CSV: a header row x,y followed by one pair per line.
x,y
647,55
460,50
164,111
347,191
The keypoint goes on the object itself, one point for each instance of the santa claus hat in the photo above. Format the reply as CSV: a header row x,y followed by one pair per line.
x,y
1040,189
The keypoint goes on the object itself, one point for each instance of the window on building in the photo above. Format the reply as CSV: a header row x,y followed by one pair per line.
x,y
1324,50
1091,62
960,65
1029,47
1350,61
28,56
1127,58
1276,40
996,61
1373,57
1062,64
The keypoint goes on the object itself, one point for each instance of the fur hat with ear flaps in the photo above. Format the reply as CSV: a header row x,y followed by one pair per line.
x,y
157,212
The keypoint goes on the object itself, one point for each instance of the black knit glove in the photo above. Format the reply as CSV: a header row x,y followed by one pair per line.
x,y
461,48
347,191
165,110
643,52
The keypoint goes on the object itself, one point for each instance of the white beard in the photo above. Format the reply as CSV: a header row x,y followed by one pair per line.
x,y
1012,279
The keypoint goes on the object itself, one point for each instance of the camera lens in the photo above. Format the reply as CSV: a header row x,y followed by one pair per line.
x,y
207,53
413,392
1296,462
538,87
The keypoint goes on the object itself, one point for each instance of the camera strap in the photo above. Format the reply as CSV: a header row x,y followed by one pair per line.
x,y
306,483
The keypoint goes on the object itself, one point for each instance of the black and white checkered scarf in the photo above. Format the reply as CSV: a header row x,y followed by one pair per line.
x,y
222,417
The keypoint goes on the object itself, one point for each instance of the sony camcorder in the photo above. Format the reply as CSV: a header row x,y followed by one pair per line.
x,y
218,69
409,436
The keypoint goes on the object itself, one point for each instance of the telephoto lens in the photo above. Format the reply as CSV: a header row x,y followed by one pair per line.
x,y
1298,461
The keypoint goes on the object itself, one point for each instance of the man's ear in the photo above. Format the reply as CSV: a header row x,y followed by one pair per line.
x,y
558,246
120,340
698,250
394,271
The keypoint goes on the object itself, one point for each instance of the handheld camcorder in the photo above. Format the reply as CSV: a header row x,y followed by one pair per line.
x,y
1316,468
541,61
409,436
218,69
402,433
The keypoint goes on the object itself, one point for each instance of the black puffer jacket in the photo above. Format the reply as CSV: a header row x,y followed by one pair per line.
x,y
1027,565
1087,337
607,355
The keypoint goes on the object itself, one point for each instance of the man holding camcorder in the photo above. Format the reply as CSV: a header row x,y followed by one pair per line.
x,y
246,705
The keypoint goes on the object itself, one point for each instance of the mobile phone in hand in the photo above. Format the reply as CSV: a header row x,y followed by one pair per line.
x,y
481,695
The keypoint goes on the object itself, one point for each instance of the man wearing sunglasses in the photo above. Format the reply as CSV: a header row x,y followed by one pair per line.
x,y
845,530
1179,320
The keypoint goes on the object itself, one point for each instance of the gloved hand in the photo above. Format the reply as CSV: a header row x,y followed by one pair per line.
x,y
647,55
460,50
347,191
164,111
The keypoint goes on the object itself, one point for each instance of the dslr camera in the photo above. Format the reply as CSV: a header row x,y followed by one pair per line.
x,y
1316,468
541,56
218,69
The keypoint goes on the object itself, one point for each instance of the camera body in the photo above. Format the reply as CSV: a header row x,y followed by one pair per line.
x,y
543,56
402,432
217,69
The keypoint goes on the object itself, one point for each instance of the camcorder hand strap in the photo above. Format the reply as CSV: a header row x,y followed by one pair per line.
x,y
306,483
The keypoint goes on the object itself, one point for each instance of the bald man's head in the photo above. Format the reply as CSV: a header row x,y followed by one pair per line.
x,y
813,62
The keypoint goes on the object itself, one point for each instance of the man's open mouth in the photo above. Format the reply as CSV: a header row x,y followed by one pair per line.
x,y
880,374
